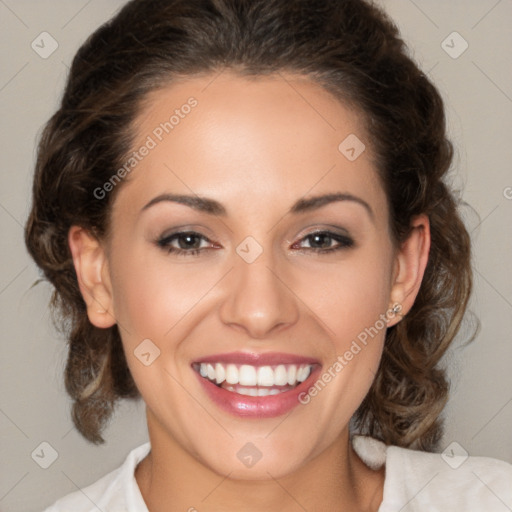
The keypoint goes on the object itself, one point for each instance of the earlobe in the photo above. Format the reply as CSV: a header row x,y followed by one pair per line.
x,y
410,264
90,263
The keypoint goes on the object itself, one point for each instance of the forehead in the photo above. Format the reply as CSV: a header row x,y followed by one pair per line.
x,y
280,135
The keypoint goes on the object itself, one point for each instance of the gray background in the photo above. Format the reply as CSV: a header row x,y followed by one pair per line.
x,y
33,405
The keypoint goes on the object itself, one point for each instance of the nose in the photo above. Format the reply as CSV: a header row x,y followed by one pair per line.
x,y
258,299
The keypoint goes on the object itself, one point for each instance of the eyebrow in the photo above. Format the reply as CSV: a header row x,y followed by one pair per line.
x,y
201,204
303,205
313,203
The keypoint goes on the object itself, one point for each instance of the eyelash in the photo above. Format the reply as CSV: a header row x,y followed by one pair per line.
x,y
165,243
344,242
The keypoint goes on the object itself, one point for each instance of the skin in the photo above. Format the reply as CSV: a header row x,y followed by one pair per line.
x,y
256,146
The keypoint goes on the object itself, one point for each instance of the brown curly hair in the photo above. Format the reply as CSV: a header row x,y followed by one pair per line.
x,y
354,51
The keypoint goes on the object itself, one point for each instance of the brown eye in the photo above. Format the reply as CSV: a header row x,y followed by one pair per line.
x,y
184,243
188,241
320,241
325,241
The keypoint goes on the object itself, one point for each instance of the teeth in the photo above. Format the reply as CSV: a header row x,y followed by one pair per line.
x,y
280,376
265,376
247,375
231,374
292,374
220,373
255,391
211,371
303,374
252,376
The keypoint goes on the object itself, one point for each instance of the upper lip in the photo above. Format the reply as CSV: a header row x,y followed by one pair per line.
x,y
257,359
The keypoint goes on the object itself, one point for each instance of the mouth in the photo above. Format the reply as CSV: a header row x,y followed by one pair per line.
x,y
256,385
252,380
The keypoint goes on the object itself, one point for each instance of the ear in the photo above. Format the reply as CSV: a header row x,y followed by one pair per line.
x,y
91,266
410,263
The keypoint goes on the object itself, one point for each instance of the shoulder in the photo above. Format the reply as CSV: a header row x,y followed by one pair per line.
x,y
418,481
116,492
429,481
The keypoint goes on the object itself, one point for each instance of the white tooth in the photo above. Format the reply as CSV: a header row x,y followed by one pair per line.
x,y
265,376
247,375
273,391
202,370
232,374
280,376
263,392
220,373
292,374
303,373
211,371
247,391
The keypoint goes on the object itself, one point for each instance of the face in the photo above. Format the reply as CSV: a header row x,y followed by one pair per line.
x,y
249,255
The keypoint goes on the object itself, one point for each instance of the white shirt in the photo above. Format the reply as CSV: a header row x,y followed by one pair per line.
x,y
414,481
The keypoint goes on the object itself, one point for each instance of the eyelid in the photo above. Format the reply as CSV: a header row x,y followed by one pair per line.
x,y
198,229
324,228
165,240
344,240
174,234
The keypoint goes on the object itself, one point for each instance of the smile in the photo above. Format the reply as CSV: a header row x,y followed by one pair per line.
x,y
251,385
252,380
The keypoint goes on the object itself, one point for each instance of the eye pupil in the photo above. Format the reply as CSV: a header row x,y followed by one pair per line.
x,y
189,241
320,240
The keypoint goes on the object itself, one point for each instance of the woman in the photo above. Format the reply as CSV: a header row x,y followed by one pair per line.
x,y
242,207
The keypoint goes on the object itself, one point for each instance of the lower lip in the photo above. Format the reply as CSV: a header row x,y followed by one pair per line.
x,y
269,406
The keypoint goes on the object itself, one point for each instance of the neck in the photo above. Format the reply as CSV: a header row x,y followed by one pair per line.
x,y
171,479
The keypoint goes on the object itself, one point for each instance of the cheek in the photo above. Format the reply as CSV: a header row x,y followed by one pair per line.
x,y
352,299
151,299
152,294
349,296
